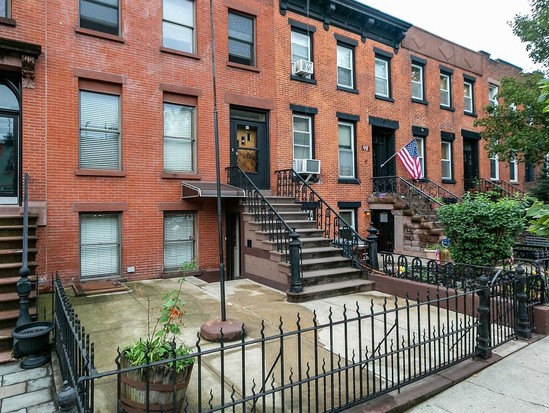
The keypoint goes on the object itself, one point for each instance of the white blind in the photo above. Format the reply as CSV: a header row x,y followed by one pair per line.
x,y
179,11
178,138
99,131
99,245
179,239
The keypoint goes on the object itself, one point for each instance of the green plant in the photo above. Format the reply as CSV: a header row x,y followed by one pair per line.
x,y
482,231
161,342
538,214
188,266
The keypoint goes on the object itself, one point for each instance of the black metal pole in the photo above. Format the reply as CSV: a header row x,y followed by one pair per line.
x,y
23,286
217,173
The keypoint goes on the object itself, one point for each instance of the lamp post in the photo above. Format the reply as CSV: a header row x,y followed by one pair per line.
x,y
222,329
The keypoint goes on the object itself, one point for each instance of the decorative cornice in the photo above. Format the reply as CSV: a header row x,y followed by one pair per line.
x,y
21,48
352,16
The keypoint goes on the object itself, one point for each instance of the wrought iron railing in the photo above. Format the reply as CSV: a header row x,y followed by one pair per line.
x,y
421,202
290,184
498,188
74,349
435,191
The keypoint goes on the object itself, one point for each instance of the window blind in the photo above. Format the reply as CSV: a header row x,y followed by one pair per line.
x,y
99,245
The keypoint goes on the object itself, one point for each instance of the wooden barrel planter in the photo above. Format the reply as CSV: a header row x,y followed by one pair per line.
x,y
161,387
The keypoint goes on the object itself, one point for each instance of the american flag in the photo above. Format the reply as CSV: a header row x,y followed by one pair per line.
x,y
410,159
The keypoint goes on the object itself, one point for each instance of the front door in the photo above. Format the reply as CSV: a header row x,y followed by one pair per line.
x,y
383,148
250,150
384,222
9,142
470,163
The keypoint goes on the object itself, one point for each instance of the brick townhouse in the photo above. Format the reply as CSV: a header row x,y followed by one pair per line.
x,y
108,106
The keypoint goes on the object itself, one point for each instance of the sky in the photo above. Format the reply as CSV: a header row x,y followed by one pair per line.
x,y
475,24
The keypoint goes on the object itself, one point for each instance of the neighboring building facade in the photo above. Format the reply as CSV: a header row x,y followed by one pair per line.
x,y
111,107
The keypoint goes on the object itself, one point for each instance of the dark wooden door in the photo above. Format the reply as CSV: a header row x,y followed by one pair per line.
x,y
384,222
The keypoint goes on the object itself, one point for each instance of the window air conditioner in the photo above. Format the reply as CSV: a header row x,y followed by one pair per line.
x,y
303,67
307,166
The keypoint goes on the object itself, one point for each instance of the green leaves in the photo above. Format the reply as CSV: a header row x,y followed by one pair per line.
x,y
482,231
538,214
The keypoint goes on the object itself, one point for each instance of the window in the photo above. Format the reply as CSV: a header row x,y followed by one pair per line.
x,y
241,39
417,82
99,131
513,171
179,138
4,8
446,160
349,216
494,168
346,150
179,239
100,15
445,90
493,91
345,58
382,77
301,49
468,103
178,25
420,142
303,137
99,245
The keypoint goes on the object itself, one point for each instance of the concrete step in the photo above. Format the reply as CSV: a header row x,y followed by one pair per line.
x,y
325,263
319,252
15,255
8,284
16,219
11,269
331,275
320,291
8,318
14,242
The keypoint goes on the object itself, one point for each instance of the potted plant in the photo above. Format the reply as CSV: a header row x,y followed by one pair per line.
x,y
188,268
160,344
430,251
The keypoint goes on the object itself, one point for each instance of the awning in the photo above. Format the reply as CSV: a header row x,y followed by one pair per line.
x,y
209,190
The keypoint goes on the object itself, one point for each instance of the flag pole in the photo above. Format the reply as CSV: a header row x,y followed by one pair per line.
x,y
394,154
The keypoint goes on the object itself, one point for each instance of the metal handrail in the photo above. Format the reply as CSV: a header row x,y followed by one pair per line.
x,y
435,190
263,211
502,188
421,202
345,237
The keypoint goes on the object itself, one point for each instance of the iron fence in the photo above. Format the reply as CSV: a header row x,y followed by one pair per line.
x,y
74,349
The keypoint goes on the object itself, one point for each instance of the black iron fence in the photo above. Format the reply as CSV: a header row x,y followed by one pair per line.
x,y
497,188
74,349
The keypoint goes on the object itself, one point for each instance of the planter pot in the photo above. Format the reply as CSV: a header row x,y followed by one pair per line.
x,y
33,340
133,389
430,254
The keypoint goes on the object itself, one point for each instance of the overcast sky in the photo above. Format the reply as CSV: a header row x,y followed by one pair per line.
x,y
475,24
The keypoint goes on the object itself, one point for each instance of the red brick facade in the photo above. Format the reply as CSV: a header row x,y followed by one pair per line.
x,y
145,75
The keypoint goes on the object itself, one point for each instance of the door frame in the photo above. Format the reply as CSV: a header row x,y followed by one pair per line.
x,y
388,137
14,84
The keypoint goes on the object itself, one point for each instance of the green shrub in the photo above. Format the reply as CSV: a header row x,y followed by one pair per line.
x,y
482,231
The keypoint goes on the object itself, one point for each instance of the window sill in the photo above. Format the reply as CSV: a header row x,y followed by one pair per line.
x,y
180,53
100,172
420,101
303,79
7,21
180,175
472,114
347,89
448,108
385,98
101,35
353,181
448,181
244,67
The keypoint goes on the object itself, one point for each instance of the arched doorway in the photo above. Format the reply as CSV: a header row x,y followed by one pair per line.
x,y
10,120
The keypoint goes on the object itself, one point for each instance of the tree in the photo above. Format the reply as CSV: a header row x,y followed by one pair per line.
x,y
519,128
534,31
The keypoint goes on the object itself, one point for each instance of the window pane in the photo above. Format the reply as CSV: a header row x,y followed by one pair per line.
x,y
301,152
179,141
178,121
99,111
417,91
301,124
446,170
7,99
241,27
344,77
344,57
300,46
241,49
301,138
381,68
382,87
179,240
179,11
346,163
3,8
99,150
177,37
101,15
99,245
345,136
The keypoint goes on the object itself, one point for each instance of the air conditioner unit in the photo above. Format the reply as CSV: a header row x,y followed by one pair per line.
x,y
303,67
307,166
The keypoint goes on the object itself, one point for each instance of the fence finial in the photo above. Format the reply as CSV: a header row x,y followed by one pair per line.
x,y
66,399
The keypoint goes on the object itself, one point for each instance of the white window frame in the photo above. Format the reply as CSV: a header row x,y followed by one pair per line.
x,y
349,68
493,91
299,38
352,212
310,132
418,84
420,142
168,19
350,150
180,244
447,160
86,163
191,139
513,171
446,92
468,97
100,245
495,161
382,77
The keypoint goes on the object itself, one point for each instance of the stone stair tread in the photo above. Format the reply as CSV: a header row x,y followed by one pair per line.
x,y
16,238
4,297
5,357
315,261
17,226
13,280
16,251
316,239
9,315
8,265
6,332
330,271
305,230
319,249
331,288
